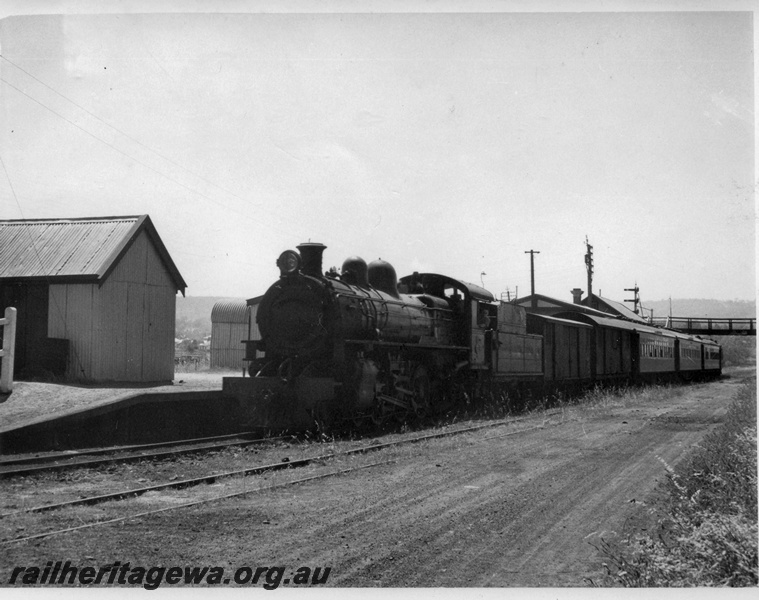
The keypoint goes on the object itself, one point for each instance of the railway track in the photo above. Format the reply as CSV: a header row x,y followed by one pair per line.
x,y
258,469
193,503
284,464
60,461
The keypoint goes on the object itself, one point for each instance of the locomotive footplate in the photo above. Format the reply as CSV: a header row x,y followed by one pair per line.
x,y
368,345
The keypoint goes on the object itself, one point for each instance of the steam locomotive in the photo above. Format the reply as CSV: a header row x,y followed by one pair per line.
x,y
372,345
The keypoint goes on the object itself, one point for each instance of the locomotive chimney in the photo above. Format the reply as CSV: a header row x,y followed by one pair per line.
x,y
311,254
577,295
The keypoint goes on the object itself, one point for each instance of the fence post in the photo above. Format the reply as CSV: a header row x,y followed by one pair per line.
x,y
8,350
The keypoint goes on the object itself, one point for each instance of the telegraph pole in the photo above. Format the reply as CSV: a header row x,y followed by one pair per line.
x,y
532,254
589,267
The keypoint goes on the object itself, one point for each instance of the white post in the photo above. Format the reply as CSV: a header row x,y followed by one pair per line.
x,y
8,350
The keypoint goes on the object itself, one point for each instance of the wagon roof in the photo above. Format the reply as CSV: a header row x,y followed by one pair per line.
x,y
82,250
620,324
558,320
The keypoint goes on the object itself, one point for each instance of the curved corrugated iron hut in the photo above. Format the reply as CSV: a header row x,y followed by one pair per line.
x,y
230,325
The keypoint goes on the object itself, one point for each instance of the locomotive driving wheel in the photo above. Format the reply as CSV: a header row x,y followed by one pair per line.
x,y
407,391
387,409
381,413
421,385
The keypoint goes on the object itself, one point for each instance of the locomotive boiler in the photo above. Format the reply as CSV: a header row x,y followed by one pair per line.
x,y
385,351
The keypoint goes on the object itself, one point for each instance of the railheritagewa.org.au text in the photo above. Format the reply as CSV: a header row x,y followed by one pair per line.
x,y
151,578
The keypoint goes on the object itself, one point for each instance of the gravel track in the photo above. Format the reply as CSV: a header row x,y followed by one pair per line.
x,y
526,509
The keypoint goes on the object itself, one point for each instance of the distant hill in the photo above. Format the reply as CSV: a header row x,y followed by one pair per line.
x,y
194,315
702,308
199,307
194,312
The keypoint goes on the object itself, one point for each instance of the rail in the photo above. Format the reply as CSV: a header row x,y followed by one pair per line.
x,y
718,326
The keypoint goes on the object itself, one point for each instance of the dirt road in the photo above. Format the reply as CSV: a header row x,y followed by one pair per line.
x,y
517,505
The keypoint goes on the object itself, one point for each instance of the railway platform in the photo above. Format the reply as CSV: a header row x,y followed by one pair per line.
x,y
42,417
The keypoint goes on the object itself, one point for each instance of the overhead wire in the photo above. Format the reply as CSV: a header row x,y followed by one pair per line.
x,y
57,307
33,244
102,141
158,172
224,206
126,135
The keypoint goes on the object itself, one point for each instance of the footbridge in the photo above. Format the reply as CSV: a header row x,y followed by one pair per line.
x,y
708,326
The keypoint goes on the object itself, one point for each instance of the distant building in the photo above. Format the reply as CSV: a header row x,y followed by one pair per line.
x,y
96,298
602,307
615,308
545,305
231,323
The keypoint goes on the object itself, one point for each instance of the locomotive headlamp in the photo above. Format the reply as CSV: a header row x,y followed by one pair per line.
x,y
288,262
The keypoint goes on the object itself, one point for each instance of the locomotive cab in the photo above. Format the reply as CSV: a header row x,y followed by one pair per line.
x,y
471,308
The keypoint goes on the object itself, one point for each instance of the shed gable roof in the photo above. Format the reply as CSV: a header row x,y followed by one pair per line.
x,y
618,308
556,305
74,250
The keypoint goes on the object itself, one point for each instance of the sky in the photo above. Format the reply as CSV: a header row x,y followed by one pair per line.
x,y
438,136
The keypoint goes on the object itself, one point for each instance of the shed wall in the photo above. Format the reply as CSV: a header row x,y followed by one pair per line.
x,y
124,329
227,349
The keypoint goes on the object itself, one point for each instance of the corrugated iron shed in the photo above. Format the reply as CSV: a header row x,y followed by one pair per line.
x,y
230,312
231,323
229,327
74,250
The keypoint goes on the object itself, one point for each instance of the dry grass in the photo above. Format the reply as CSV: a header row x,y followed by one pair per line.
x,y
708,534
